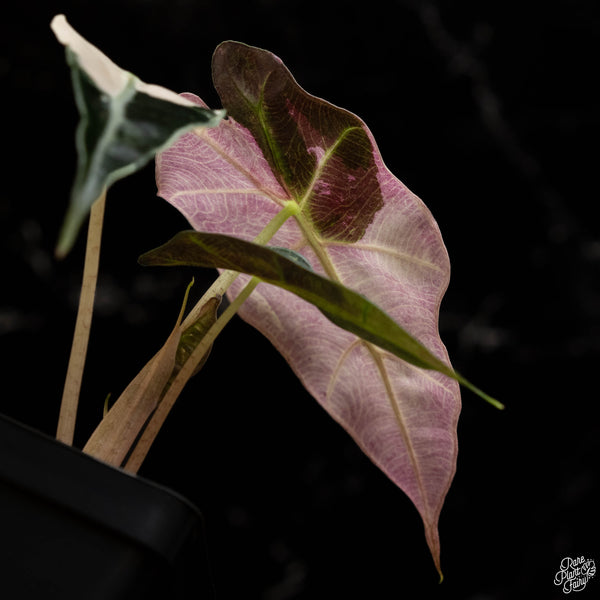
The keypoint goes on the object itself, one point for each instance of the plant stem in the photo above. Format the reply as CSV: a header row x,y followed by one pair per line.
x,y
290,208
70,399
218,288
187,370
222,283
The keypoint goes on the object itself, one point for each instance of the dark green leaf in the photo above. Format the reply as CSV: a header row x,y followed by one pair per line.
x,y
193,335
344,307
122,127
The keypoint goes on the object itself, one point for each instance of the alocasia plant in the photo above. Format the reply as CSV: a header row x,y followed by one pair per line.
x,y
350,290
357,225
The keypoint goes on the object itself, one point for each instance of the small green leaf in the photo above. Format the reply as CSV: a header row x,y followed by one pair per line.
x,y
294,256
193,335
339,304
124,123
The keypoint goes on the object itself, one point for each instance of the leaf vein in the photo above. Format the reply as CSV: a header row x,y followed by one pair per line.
x,y
215,191
377,356
322,163
390,251
238,166
338,367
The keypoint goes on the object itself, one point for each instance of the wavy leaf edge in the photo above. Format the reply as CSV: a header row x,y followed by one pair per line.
x,y
282,145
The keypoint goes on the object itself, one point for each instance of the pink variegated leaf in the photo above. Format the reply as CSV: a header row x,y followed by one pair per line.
x,y
357,225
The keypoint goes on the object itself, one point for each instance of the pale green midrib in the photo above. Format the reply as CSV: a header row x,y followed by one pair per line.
x,y
322,164
115,118
317,244
314,240
262,120
377,358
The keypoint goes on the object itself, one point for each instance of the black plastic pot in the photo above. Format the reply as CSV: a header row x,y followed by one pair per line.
x,y
73,528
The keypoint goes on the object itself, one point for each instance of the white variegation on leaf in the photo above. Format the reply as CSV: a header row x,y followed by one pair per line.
x,y
108,77
124,122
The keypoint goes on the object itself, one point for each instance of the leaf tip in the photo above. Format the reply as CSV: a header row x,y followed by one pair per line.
x,y
62,29
64,244
495,403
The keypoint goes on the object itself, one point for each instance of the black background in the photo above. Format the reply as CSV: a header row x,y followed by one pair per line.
x,y
489,112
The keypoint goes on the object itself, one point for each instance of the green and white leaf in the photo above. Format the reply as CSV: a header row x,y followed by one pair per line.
x,y
124,123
